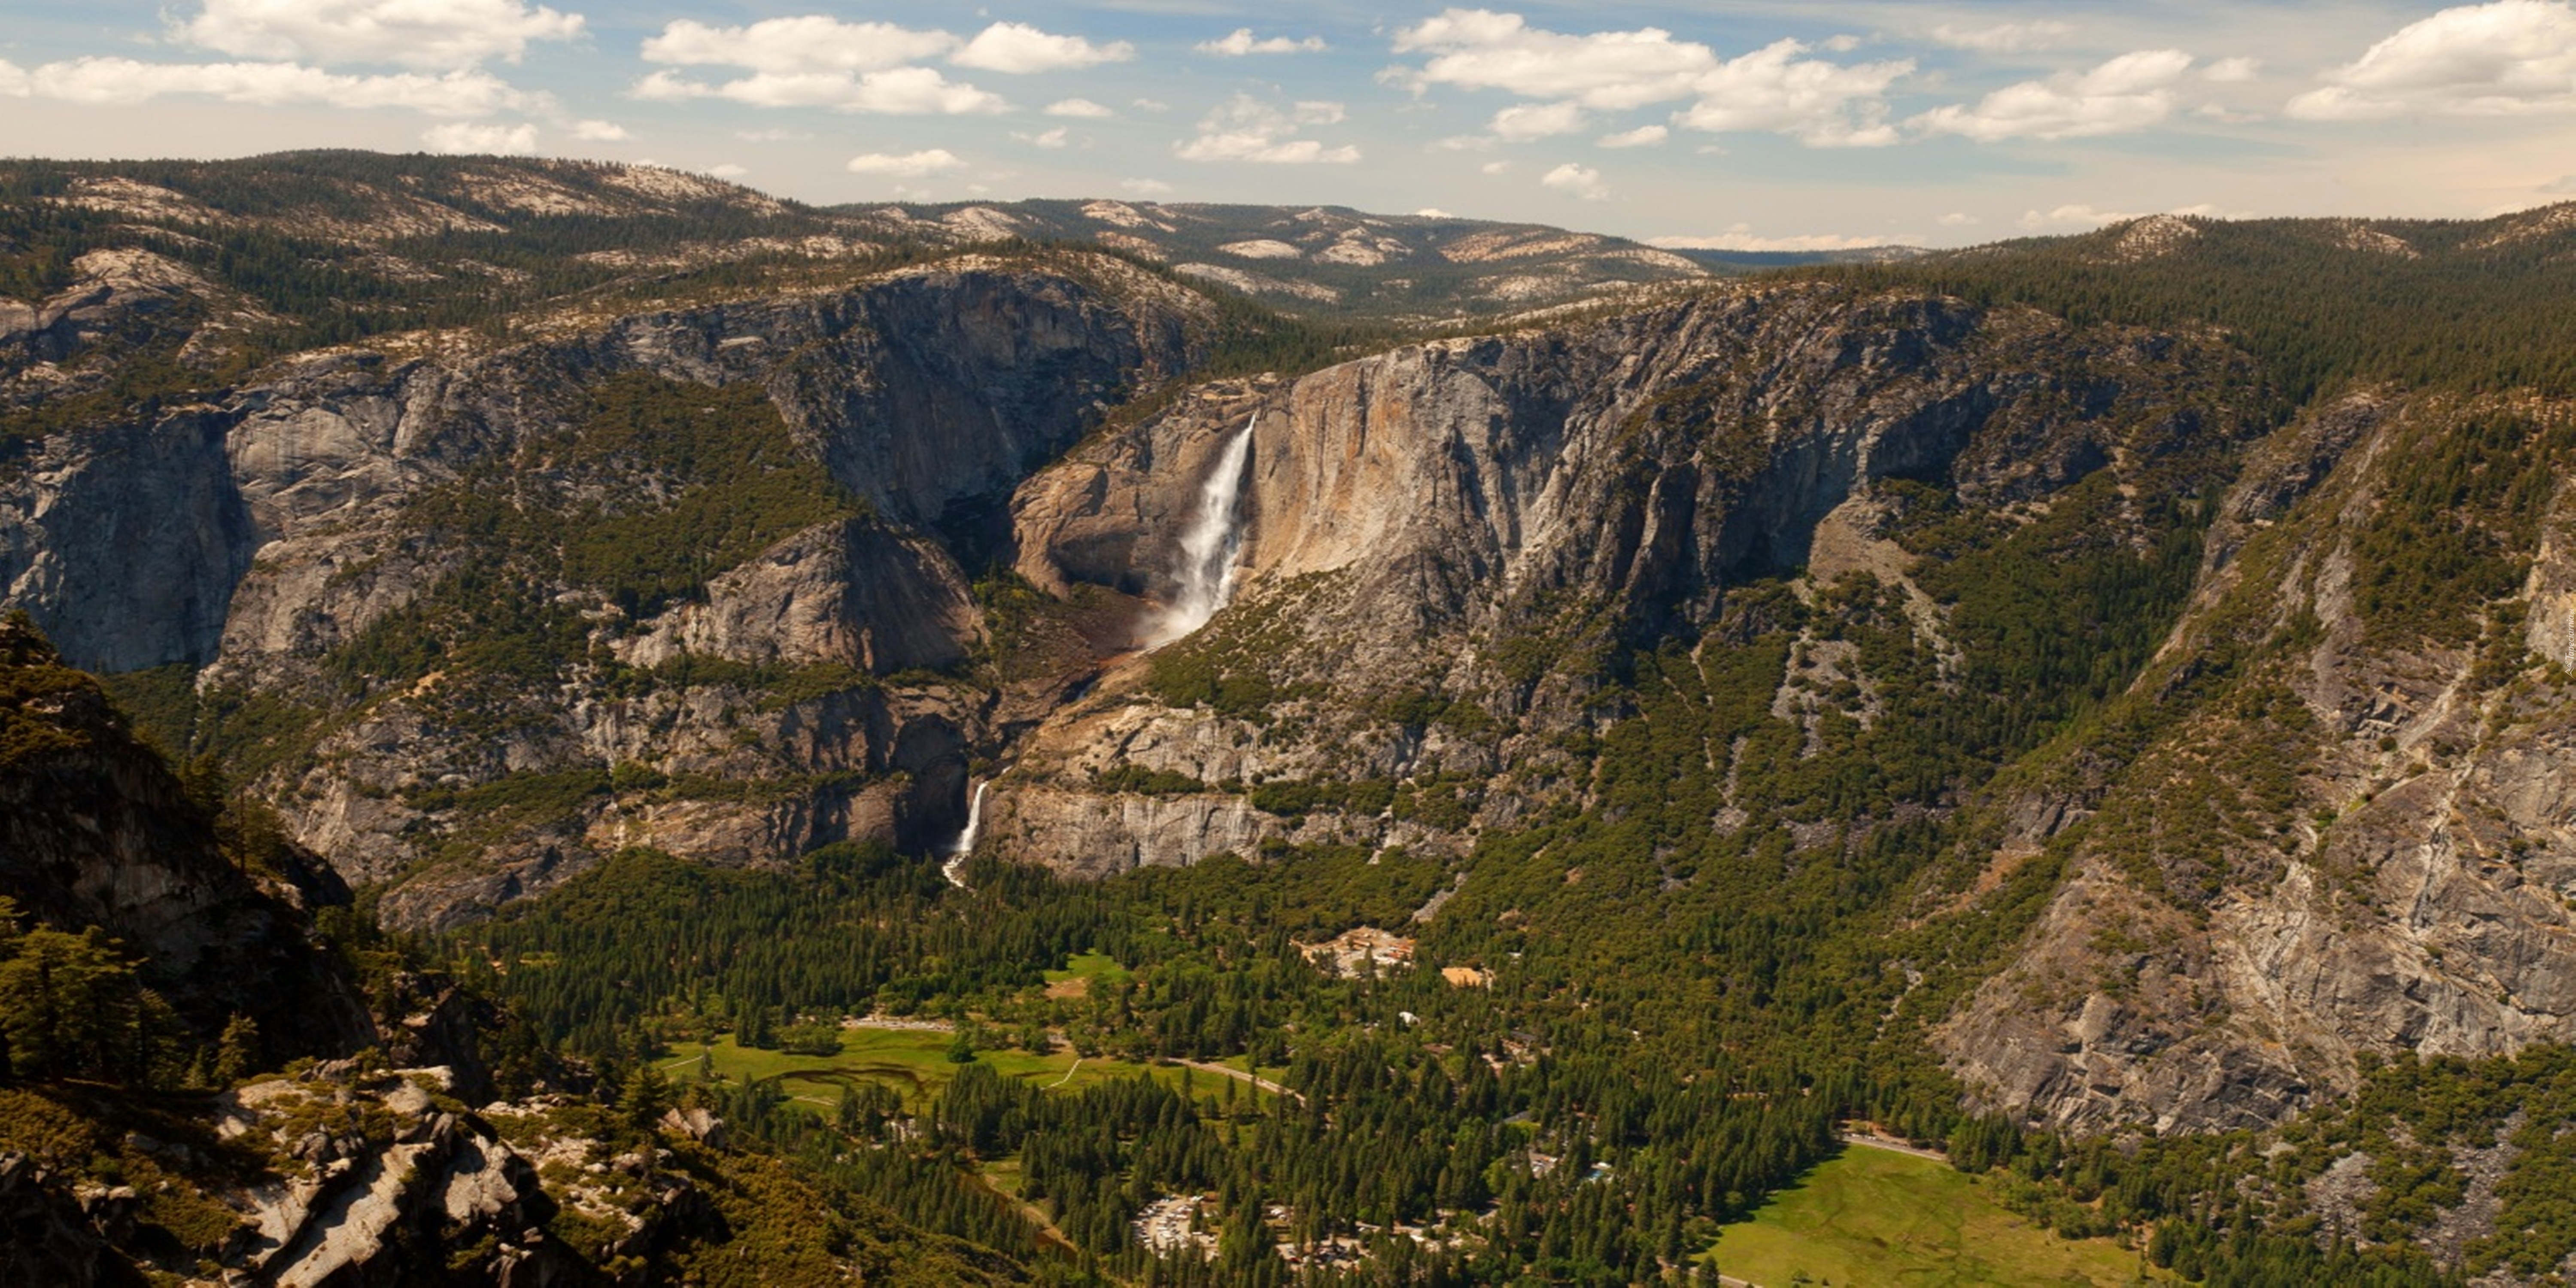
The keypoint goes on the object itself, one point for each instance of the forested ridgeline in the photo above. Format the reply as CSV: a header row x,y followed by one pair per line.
x,y
2475,306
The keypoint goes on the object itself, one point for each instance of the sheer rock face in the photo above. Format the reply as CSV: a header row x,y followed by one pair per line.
x,y
127,542
2412,894
256,536
1408,517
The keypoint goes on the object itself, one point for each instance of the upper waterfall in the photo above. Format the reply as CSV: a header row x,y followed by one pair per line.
x,y
1204,575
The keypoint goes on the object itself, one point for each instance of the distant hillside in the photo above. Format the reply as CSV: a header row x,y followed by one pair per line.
x,y
1744,261
1324,260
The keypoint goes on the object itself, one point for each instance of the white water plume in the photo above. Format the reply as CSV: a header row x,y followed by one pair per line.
x,y
963,847
1205,573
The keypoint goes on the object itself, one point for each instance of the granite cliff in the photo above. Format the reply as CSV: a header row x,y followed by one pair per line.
x,y
2344,831
330,518
1472,528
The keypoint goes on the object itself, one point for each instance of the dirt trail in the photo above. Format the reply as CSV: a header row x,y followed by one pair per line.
x,y
1872,1140
1240,1076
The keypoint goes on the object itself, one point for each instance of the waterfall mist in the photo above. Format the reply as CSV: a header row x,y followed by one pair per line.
x,y
1204,576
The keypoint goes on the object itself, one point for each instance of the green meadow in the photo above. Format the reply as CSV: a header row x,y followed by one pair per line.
x,y
915,1063
1088,967
1874,1217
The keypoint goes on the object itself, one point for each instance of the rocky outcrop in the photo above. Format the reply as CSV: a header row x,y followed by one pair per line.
x,y
126,298
360,1208
854,594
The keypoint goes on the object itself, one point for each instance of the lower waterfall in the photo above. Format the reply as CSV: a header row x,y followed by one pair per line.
x,y
963,847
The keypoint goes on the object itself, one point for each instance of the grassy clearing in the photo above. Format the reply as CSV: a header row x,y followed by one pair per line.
x,y
915,1063
1080,971
1876,1217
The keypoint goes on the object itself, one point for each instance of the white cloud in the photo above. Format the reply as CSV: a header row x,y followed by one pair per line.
x,y
1644,136
771,136
599,131
819,61
1742,237
1080,109
1775,88
1149,105
2228,71
1538,121
1245,129
1611,70
459,137
898,91
1822,104
2004,38
1054,138
1016,48
1146,187
812,43
1581,181
124,80
1957,219
13,80
727,171
453,34
2561,186
1241,43
2130,92
1433,212
909,165
2510,58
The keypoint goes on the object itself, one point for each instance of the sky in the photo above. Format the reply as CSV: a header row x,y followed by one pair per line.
x,y
1756,126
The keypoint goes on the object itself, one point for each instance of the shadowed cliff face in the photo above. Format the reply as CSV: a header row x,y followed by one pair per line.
x,y
94,831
